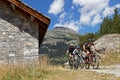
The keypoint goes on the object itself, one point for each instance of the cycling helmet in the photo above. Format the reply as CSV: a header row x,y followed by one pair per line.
x,y
78,47
71,44
90,41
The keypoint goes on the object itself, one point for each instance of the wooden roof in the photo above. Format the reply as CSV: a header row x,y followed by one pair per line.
x,y
30,11
42,20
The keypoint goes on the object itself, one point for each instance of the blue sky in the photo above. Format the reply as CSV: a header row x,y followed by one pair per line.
x,y
83,16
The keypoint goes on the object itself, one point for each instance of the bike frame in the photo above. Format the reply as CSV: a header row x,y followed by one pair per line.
x,y
90,61
90,57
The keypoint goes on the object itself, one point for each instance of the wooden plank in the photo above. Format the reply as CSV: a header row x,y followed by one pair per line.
x,y
29,10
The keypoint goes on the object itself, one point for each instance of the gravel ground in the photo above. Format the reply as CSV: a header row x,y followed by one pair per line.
x,y
112,69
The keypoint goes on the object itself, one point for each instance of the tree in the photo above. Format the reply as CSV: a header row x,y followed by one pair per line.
x,y
116,22
84,38
110,25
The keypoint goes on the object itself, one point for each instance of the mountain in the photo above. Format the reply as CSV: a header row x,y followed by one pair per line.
x,y
65,30
57,41
111,42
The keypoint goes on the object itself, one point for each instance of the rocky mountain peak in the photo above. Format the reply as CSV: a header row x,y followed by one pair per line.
x,y
64,29
56,41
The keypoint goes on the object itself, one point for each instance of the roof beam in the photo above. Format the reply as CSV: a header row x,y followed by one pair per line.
x,y
29,10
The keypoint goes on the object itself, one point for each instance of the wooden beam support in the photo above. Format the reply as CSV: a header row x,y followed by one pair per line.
x,y
31,18
13,7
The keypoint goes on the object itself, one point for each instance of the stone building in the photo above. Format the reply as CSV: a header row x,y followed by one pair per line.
x,y
22,28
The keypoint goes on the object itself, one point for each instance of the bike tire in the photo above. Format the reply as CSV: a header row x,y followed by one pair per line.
x,y
66,65
87,65
71,63
75,64
95,62
81,63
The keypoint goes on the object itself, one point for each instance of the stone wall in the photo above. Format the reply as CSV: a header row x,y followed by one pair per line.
x,y
18,34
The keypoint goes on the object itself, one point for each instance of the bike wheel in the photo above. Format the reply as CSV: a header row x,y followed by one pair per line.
x,y
66,64
87,63
75,64
71,63
95,62
81,63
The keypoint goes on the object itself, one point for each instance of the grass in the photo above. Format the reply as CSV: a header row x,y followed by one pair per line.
x,y
56,72
107,59
52,73
59,60
110,59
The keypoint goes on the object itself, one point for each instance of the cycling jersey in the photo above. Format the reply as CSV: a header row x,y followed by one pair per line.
x,y
71,49
87,46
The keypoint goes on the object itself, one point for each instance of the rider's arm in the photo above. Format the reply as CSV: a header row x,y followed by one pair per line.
x,y
67,51
95,48
74,51
83,47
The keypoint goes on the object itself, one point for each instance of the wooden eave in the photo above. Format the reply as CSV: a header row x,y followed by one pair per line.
x,y
30,11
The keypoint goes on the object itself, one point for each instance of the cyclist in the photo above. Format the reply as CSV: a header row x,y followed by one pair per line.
x,y
70,53
87,46
70,50
77,50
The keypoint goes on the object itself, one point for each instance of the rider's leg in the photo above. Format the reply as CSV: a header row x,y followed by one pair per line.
x,y
99,56
87,56
87,52
70,57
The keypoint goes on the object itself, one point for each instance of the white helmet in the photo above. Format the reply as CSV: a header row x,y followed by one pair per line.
x,y
71,44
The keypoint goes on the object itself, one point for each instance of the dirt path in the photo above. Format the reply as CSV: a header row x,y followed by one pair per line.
x,y
112,69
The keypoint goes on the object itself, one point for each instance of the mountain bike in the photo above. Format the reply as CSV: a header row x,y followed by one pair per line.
x,y
81,61
73,62
76,61
93,60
